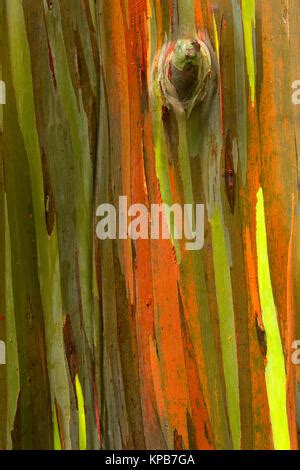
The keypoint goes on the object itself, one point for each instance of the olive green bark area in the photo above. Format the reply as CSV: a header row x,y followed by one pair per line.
x,y
122,419
184,67
77,373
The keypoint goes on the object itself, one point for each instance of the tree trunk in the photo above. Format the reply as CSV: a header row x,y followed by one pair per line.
x,y
143,344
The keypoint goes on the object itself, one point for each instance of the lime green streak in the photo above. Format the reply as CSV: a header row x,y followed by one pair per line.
x,y
248,14
56,436
275,369
227,325
81,415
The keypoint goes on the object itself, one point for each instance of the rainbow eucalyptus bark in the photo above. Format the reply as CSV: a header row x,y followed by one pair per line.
x,y
122,344
51,69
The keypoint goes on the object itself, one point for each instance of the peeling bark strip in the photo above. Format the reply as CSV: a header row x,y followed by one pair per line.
x,y
146,345
49,196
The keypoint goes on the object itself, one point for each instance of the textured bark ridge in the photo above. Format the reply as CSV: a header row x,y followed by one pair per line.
x,y
185,69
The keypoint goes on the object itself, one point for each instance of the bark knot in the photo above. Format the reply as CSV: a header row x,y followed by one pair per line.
x,y
184,69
